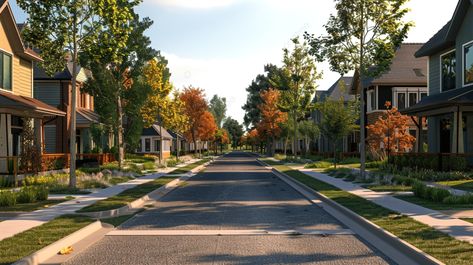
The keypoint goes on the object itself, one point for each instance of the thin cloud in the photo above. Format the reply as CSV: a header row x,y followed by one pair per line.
x,y
193,4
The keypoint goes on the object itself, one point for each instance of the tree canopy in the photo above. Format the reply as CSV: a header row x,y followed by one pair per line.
x,y
234,129
218,108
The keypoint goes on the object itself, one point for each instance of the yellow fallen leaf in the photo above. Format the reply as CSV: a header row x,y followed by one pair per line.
x,y
66,250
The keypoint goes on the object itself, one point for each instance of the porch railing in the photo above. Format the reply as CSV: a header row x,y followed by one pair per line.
x,y
435,161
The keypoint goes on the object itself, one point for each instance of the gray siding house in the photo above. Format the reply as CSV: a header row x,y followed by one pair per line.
x,y
340,89
449,106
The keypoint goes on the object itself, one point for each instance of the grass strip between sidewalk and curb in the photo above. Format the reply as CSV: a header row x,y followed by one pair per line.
x,y
189,167
434,205
29,207
32,240
440,245
127,196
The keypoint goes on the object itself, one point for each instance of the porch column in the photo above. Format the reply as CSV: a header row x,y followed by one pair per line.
x,y
419,143
38,133
457,142
4,130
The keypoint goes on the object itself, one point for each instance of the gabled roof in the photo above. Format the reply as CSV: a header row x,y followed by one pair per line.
x,y
155,131
446,36
19,47
336,90
87,117
405,70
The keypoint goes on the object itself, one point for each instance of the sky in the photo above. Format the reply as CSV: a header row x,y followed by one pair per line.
x,y
222,45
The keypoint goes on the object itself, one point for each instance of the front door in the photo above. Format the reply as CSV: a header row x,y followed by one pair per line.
x,y
445,136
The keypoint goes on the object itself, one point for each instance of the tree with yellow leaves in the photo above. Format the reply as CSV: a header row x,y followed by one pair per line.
x,y
157,76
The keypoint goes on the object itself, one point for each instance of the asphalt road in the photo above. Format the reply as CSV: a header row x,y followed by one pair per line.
x,y
234,197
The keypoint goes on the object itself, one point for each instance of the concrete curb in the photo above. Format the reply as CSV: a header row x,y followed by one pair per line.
x,y
96,229
393,247
137,204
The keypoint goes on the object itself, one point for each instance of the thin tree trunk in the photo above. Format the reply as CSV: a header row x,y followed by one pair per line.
x,y
362,100
161,149
295,147
334,154
178,146
72,141
121,151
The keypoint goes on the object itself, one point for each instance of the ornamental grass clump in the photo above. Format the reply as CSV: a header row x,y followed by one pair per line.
x,y
430,193
7,198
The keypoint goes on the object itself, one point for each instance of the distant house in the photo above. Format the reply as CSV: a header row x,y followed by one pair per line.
x,y
16,90
150,141
449,106
404,85
56,90
340,89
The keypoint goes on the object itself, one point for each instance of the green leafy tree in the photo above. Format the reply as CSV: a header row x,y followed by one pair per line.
x,y
234,129
218,108
253,101
297,82
338,120
308,130
62,28
119,87
362,36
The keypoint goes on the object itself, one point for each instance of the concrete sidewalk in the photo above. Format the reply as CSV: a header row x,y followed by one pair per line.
x,y
30,220
454,227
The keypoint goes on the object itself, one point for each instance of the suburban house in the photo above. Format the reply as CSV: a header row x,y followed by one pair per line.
x,y
449,106
56,91
150,141
350,143
17,102
404,85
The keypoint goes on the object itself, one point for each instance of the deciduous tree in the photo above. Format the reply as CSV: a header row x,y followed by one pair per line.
x,y
271,118
362,36
61,28
195,107
338,119
218,108
235,130
297,82
390,133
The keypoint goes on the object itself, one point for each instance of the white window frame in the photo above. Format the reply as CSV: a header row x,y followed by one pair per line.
x,y
12,71
407,91
369,93
470,43
440,66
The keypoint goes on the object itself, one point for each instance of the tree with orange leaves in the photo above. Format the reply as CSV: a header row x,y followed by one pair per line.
x,y
221,139
389,133
272,117
195,108
253,138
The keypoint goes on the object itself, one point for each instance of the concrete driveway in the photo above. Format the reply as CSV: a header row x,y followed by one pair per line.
x,y
236,212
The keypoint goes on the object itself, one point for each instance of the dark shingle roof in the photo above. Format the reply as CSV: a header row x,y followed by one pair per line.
x,y
455,97
336,91
405,68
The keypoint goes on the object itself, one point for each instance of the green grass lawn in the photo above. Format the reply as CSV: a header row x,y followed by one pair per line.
x,y
29,207
393,188
433,242
434,205
26,243
67,190
137,192
468,219
189,167
466,185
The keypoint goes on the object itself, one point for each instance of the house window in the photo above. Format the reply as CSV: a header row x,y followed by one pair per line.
x,y
371,100
412,99
156,145
448,75
401,101
5,71
468,64
147,145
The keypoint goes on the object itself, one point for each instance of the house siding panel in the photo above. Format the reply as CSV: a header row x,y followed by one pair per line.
x,y
50,139
465,34
4,43
22,77
48,92
434,74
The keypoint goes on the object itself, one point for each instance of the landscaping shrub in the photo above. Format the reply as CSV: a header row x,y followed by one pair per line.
x,y
93,184
349,160
319,164
149,166
430,193
7,198
404,181
26,195
375,164
110,166
42,193
89,170
172,162
459,199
